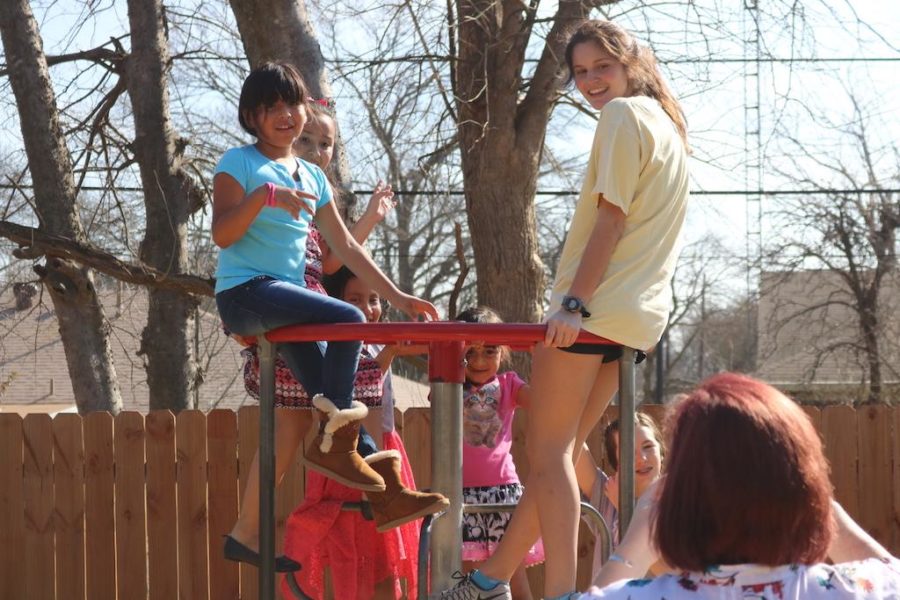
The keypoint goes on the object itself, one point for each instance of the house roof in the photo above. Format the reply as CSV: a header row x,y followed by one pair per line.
x,y
34,375
809,331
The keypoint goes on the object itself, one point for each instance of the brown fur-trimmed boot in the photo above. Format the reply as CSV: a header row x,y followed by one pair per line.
x,y
398,504
333,451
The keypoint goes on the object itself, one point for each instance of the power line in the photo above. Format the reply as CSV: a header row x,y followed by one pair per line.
x,y
573,192
679,61
693,192
665,61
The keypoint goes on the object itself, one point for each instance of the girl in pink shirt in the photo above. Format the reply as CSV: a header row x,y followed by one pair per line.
x,y
490,400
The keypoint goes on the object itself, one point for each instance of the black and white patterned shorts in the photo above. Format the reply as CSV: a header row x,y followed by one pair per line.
x,y
482,532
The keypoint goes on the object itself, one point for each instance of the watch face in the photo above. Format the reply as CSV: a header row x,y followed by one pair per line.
x,y
571,304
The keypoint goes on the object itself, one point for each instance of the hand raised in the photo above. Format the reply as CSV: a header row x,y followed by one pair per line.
x,y
382,201
415,308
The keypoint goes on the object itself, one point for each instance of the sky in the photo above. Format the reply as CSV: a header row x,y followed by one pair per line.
x,y
795,98
714,95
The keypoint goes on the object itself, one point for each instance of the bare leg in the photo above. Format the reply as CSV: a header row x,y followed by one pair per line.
x,y
470,565
525,528
288,434
551,441
605,386
519,586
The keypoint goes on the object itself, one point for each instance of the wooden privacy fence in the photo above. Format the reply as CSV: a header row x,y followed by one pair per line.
x,y
134,507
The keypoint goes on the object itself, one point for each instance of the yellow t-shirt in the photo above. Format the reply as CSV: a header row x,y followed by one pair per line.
x,y
639,163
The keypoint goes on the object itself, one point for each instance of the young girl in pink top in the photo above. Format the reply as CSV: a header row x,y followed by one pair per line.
x,y
490,400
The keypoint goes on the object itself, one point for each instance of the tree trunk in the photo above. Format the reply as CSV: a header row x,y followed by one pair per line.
x,y
868,324
281,30
501,140
167,340
83,327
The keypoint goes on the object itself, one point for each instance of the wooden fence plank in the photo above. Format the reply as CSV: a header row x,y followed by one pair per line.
x,y
40,563
839,427
815,417
417,441
398,421
162,516
895,479
131,521
193,535
861,444
657,411
68,512
99,507
875,487
248,444
222,437
12,530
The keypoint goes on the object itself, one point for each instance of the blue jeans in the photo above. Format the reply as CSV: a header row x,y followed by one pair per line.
x,y
265,303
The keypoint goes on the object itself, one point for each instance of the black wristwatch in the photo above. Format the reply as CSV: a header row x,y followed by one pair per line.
x,y
574,305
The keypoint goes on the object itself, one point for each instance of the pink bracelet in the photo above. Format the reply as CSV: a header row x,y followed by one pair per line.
x,y
270,194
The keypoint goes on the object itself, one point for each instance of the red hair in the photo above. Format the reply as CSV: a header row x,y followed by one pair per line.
x,y
746,480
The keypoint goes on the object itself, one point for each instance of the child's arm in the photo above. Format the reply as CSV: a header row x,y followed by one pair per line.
x,y
380,204
563,327
636,553
350,253
392,351
586,471
234,211
850,541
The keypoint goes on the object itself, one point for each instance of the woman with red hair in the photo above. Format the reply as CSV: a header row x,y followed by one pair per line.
x,y
745,509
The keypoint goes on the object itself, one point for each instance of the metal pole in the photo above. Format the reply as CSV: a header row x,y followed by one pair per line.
x,y
266,469
626,439
592,516
659,359
446,373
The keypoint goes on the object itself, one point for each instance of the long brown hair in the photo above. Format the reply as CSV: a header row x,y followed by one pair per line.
x,y
644,77
746,480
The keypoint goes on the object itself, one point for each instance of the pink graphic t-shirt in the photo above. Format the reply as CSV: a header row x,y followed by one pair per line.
x,y
488,411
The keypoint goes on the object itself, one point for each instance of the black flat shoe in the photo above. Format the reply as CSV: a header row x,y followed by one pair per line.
x,y
238,552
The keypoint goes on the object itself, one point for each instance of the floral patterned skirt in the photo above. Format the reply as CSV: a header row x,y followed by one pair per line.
x,y
482,532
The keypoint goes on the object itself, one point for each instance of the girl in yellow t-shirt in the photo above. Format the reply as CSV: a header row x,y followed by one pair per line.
x,y
613,280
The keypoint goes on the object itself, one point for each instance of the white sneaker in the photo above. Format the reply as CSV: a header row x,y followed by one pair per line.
x,y
466,589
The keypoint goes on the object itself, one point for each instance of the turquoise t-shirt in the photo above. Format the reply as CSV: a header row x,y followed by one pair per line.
x,y
275,243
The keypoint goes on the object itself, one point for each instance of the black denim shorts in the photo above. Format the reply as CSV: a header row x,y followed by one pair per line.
x,y
608,352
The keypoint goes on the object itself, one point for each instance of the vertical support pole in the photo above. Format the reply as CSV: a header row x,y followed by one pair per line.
x,y
660,360
626,439
266,469
446,372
